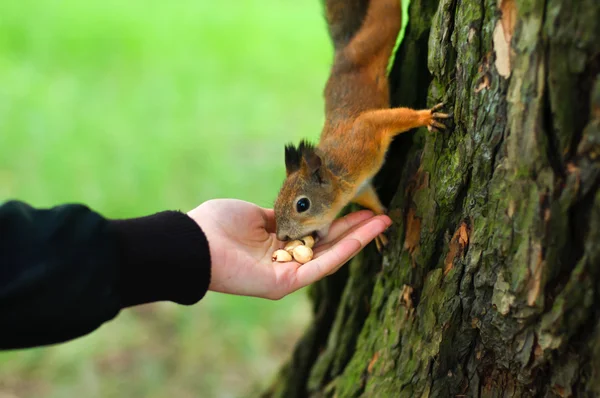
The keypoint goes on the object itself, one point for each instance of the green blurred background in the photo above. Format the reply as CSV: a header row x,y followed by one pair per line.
x,y
137,106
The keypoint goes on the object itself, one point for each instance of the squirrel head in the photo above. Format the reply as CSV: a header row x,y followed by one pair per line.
x,y
304,203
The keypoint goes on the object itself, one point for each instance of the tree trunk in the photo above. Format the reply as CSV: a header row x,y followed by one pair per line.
x,y
490,285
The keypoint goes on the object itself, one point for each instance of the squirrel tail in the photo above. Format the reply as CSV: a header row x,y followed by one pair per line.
x,y
364,29
344,19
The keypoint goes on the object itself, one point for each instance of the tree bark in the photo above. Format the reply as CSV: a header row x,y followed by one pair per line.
x,y
491,283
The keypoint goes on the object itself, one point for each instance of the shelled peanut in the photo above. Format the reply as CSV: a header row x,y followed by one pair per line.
x,y
300,250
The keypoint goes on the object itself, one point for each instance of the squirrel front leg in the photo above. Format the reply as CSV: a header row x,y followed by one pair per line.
x,y
394,121
368,198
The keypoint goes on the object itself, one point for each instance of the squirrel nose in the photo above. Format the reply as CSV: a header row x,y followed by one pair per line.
x,y
282,236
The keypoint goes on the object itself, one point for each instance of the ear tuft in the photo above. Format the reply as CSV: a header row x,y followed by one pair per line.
x,y
305,153
310,157
292,159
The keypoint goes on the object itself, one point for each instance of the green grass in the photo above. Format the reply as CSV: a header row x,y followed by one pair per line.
x,y
133,107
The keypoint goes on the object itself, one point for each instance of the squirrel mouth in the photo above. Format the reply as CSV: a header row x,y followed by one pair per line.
x,y
321,233
316,234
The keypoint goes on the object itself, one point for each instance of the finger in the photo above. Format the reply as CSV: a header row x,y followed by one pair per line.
x,y
339,253
269,219
319,249
438,115
332,259
344,224
325,264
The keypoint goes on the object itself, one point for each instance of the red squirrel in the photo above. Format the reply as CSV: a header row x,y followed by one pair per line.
x,y
359,124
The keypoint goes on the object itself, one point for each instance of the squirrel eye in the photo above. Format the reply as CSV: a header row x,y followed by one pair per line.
x,y
302,205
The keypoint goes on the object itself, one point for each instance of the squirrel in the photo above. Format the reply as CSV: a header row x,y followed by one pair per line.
x,y
359,124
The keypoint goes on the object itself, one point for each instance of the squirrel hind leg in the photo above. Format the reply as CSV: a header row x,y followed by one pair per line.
x,y
394,121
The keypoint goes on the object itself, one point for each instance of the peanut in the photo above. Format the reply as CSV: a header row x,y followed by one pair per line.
x,y
289,247
302,254
281,256
308,241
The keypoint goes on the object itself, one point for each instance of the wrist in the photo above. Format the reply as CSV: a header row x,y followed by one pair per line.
x,y
211,234
164,257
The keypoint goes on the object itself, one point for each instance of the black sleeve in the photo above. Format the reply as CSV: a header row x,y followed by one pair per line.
x,y
65,271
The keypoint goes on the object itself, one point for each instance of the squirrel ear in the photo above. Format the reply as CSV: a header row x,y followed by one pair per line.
x,y
304,156
292,159
314,165
313,162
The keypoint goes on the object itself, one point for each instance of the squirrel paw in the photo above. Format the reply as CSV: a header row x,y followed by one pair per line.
x,y
381,241
432,123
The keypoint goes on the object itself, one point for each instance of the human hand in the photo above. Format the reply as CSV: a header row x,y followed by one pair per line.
x,y
241,237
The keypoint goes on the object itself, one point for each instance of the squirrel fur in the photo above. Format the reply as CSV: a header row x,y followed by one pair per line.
x,y
359,124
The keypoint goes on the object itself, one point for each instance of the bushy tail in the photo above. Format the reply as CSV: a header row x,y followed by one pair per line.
x,y
344,19
365,30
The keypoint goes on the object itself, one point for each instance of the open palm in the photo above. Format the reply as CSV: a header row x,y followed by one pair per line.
x,y
241,238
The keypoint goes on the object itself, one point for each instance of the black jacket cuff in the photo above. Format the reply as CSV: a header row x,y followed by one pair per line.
x,y
165,256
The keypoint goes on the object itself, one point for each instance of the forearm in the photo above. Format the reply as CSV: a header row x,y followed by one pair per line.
x,y
67,270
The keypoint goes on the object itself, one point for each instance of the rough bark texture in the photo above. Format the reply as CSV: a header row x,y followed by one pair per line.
x,y
491,283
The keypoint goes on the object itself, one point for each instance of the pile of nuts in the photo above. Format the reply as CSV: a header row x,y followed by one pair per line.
x,y
300,249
